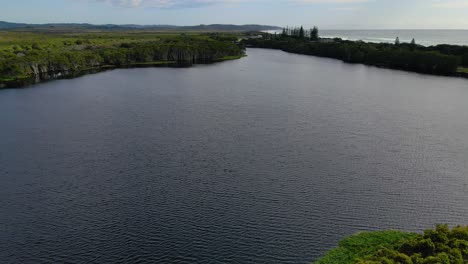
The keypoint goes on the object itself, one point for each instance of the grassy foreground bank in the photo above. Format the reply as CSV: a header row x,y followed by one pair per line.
x,y
441,245
30,57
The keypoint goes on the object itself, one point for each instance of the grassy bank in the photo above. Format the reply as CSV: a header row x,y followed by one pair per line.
x,y
31,56
363,244
439,245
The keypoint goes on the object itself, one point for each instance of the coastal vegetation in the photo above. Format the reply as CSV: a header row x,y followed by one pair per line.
x,y
441,245
439,60
28,57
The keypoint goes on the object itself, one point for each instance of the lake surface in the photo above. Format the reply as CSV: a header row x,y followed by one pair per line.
x,y
269,159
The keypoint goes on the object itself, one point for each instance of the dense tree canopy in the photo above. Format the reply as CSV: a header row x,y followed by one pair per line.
x,y
442,60
35,56
441,245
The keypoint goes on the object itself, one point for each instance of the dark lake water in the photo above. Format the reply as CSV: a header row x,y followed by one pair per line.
x,y
269,159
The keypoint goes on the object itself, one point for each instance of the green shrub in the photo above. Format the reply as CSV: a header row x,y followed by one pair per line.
x,y
440,245
363,244
435,246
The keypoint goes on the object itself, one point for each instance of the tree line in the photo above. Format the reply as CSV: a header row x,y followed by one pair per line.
x,y
301,33
42,62
440,60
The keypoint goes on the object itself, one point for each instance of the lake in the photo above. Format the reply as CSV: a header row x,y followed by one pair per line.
x,y
269,159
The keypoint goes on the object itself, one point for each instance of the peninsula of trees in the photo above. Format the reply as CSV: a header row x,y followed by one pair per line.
x,y
31,57
438,60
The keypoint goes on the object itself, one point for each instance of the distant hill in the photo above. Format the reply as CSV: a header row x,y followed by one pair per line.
x,y
84,26
8,25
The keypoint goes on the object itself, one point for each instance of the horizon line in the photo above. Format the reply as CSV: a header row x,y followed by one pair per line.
x,y
233,24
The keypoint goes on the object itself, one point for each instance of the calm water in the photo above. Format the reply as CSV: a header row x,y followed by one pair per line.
x,y
268,159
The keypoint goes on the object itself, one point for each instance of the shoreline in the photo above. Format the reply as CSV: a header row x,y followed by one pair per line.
x,y
34,57
18,83
404,57
461,73
28,81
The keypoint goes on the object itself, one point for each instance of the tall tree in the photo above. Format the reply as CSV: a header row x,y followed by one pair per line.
x,y
301,33
397,41
314,34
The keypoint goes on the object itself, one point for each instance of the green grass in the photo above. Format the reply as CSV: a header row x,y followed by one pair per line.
x,y
440,245
362,245
462,70
52,40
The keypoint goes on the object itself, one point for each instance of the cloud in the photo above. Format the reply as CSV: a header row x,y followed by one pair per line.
x,y
450,4
201,3
332,1
167,3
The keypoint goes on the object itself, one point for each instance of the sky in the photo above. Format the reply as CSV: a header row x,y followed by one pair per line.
x,y
327,14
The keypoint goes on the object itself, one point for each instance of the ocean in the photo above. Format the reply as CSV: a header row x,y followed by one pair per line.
x,y
422,37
